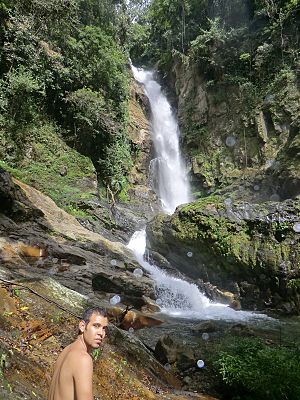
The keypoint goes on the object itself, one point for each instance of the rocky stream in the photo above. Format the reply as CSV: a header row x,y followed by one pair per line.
x,y
223,267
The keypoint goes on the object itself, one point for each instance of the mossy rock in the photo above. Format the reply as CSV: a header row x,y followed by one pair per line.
x,y
227,242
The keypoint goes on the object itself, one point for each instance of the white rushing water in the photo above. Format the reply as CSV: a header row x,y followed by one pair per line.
x,y
175,296
168,169
179,298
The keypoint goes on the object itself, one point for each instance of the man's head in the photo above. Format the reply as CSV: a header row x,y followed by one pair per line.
x,y
93,326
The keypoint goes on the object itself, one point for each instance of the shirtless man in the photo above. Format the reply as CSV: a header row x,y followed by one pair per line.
x,y
73,372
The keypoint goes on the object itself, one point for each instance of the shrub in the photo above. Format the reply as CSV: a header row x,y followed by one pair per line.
x,y
250,367
23,93
116,165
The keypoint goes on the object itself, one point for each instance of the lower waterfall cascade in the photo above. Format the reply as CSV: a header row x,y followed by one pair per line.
x,y
175,296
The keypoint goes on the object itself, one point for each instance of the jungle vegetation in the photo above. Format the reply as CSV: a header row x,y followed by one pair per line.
x,y
64,67
64,88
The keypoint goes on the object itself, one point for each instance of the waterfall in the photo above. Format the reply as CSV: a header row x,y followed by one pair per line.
x,y
170,173
174,296
179,298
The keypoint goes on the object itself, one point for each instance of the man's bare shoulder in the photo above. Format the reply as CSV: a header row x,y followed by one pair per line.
x,y
75,351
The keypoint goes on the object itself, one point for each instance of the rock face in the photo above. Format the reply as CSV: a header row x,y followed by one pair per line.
x,y
240,136
235,13
234,136
130,212
168,352
39,237
251,250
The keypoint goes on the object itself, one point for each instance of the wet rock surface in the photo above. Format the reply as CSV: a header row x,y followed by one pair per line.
x,y
53,243
206,340
34,331
52,268
249,250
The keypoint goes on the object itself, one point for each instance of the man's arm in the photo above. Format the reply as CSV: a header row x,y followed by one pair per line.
x,y
83,378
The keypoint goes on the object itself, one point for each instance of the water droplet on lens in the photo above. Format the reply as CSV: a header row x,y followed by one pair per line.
x,y
115,300
138,273
131,330
228,202
230,141
189,254
113,262
256,187
167,367
200,364
205,336
158,301
275,197
296,227
269,163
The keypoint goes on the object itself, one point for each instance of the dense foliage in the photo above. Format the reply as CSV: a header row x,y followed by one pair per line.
x,y
253,370
224,36
240,52
61,61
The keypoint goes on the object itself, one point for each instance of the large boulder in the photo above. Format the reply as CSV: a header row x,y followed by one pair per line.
x,y
40,238
251,250
167,351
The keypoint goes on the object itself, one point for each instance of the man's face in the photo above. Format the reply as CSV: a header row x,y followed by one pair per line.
x,y
94,331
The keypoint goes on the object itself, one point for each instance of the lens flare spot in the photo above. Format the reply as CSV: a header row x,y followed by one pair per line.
x,y
115,300
230,141
296,227
200,364
138,273
228,202
275,197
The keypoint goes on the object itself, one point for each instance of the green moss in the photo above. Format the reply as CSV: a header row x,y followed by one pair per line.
x,y
254,243
51,166
199,222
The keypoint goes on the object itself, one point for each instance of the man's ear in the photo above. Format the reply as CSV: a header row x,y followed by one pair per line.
x,y
81,326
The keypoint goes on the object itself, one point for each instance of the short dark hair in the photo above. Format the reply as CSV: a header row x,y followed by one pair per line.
x,y
93,310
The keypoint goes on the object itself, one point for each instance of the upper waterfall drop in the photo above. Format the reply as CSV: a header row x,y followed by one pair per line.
x,y
177,297
172,183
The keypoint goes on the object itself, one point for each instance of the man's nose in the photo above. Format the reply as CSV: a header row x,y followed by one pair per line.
x,y
101,332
